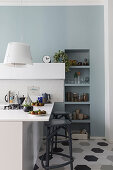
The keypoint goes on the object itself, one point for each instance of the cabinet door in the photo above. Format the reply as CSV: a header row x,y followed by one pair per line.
x,y
11,145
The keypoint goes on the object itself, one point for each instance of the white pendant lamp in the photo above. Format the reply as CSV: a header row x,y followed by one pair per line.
x,y
18,54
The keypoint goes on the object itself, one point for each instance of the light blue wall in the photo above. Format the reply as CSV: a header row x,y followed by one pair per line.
x,y
48,29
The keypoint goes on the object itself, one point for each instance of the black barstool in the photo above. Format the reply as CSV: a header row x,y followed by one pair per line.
x,y
60,115
52,128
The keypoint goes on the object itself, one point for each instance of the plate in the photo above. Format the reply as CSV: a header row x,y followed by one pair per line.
x,y
37,114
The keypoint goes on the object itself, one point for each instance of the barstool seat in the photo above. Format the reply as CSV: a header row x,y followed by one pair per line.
x,y
60,114
57,122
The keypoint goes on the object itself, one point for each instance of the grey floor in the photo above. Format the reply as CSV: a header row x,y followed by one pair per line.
x,y
88,155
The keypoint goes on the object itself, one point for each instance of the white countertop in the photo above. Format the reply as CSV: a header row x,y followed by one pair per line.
x,y
20,115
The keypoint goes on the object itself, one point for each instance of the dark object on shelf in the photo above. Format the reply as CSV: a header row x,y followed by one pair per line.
x,y
86,79
68,96
81,97
86,116
75,97
79,64
73,62
81,116
86,63
85,97
28,108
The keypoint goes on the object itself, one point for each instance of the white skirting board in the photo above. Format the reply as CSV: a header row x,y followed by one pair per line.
x,y
97,137
36,71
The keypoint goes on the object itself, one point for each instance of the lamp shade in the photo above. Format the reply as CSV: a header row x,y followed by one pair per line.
x,y
18,54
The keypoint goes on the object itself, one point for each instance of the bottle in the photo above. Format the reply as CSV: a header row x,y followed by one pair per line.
x,y
11,99
16,99
78,79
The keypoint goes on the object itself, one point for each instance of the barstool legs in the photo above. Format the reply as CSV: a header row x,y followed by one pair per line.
x,y
70,146
47,149
52,128
56,148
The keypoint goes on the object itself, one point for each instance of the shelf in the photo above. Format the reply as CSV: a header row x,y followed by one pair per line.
x,y
76,50
38,71
76,102
81,121
79,67
77,85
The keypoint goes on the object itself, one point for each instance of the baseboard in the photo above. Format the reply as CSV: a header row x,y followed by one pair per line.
x,y
109,140
97,137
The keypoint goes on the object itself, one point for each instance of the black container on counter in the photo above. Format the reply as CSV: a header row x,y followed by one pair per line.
x,y
28,108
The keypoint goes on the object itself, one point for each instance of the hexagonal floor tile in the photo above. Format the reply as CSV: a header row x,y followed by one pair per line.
x,y
65,158
97,150
84,144
82,167
77,150
59,168
65,143
110,157
102,144
106,167
91,158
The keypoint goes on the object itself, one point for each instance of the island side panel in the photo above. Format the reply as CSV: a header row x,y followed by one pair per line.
x,y
11,145
37,139
32,140
27,146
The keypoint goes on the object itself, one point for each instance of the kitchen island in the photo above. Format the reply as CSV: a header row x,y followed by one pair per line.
x,y
20,137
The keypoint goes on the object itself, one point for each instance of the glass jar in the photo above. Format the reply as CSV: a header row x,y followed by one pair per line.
x,y
75,97
78,79
85,97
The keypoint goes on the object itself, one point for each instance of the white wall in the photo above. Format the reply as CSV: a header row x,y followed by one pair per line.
x,y
110,36
53,87
109,68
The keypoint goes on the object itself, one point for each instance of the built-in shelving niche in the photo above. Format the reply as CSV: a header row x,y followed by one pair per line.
x,y
71,86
